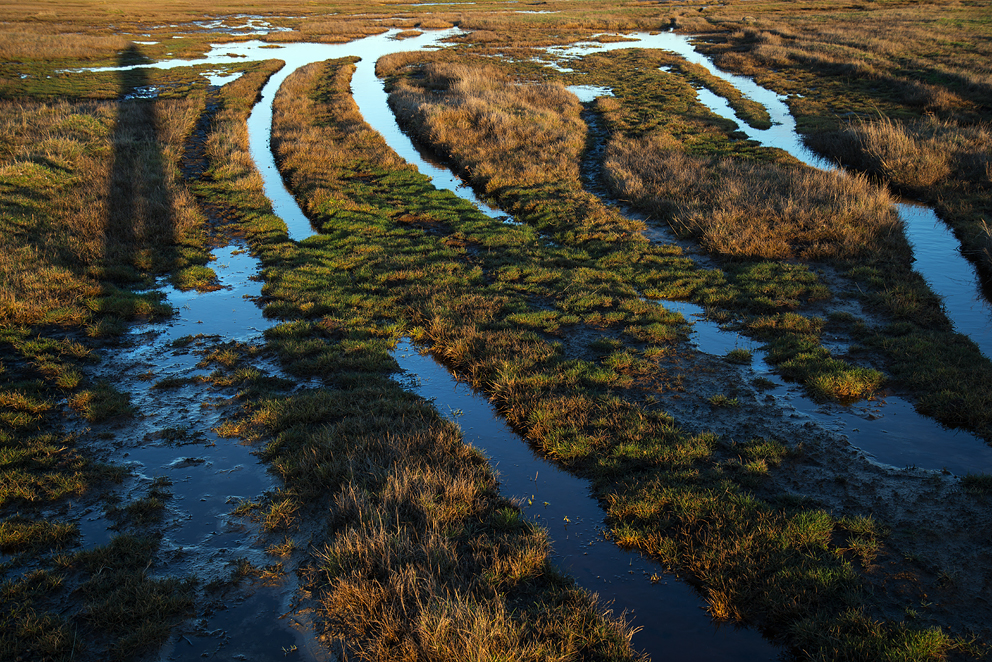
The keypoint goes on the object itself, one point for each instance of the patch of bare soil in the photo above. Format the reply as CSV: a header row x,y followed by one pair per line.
x,y
935,566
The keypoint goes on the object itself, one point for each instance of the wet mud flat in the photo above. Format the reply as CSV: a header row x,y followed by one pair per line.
x,y
249,606
175,438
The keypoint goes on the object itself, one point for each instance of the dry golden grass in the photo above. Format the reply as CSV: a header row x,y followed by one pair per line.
x,y
915,155
943,161
20,42
900,91
89,189
899,156
401,585
517,142
339,30
753,210
479,122
894,43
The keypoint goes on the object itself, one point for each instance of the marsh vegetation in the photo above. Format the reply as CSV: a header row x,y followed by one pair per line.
x,y
394,528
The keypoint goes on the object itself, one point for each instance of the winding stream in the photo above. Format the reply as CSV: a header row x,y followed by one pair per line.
x,y
938,253
675,625
890,430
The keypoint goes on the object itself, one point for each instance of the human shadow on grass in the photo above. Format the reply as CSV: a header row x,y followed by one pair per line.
x,y
140,225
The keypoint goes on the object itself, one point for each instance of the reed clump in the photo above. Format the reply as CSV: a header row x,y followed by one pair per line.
x,y
339,30
477,121
740,209
914,156
942,161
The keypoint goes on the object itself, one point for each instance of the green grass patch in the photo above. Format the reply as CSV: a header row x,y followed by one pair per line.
x,y
980,484
196,277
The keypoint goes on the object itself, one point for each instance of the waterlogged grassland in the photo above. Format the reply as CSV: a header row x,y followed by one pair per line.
x,y
660,161
522,144
422,557
549,318
395,257
70,262
942,160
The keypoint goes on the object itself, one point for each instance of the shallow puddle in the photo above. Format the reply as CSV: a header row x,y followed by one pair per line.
x,y
173,438
231,312
949,273
173,435
263,626
588,93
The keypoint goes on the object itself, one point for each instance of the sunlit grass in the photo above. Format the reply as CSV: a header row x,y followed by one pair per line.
x,y
498,304
404,495
496,321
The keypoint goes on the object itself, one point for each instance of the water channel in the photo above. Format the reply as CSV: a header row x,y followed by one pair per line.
x,y
890,430
673,621
938,253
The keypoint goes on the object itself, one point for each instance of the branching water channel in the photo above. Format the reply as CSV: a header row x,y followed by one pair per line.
x,y
673,621
672,617
890,430
938,253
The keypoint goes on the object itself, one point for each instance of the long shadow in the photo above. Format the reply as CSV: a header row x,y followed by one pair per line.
x,y
140,223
